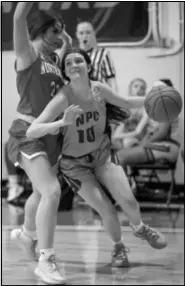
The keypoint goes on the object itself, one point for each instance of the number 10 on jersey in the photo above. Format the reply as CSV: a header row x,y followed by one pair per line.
x,y
87,135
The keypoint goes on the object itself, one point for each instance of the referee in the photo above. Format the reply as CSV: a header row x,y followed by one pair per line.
x,y
102,66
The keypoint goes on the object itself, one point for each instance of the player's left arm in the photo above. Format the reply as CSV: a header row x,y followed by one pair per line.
x,y
124,102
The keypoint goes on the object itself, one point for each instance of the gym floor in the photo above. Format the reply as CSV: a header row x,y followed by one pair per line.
x,y
84,249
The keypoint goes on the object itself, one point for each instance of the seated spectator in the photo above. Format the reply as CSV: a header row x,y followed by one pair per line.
x,y
131,132
161,143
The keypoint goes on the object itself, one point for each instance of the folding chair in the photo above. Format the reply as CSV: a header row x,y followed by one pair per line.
x,y
152,177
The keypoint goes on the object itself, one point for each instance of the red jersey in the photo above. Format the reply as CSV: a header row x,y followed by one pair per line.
x,y
37,84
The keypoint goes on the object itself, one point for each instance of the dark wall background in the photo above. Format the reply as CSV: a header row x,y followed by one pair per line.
x,y
113,21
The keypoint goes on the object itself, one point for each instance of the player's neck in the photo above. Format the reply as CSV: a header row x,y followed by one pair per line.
x,y
81,88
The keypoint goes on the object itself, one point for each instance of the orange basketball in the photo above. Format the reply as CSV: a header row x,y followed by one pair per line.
x,y
163,103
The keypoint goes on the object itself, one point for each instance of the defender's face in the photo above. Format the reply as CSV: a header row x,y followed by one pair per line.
x,y
52,38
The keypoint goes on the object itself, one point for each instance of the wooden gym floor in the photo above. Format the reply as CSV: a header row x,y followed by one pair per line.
x,y
84,250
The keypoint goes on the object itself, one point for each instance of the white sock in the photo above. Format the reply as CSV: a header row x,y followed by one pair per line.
x,y
32,234
137,227
117,243
46,253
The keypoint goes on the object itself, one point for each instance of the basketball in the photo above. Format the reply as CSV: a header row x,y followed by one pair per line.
x,y
163,103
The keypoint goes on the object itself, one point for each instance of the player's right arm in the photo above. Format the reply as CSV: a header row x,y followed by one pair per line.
x,y
24,50
44,124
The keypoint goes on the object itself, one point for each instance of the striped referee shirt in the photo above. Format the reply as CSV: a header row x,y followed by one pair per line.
x,y
102,65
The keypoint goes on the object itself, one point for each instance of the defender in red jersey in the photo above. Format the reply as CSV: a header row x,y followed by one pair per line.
x,y
38,79
86,150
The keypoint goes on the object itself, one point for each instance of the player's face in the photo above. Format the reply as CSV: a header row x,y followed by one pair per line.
x,y
86,36
138,88
75,66
52,38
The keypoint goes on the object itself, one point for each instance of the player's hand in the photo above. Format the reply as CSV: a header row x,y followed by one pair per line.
x,y
71,113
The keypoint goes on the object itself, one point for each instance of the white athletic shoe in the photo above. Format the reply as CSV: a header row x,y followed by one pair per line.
x,y
48,272
26,242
